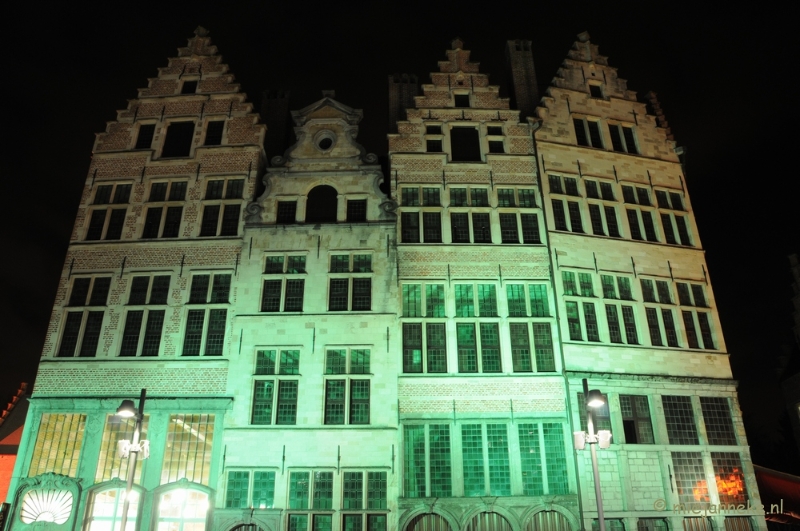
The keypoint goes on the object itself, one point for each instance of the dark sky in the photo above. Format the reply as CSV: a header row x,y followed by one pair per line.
x,y
724,79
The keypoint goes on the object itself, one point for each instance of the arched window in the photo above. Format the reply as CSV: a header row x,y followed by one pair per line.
x,y
182,509
105,511
322,205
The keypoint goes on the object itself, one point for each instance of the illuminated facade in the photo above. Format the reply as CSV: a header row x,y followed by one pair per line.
x,y
323,355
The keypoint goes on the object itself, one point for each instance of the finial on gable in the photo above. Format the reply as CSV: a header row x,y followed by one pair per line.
x,y
584,36
457,44
329,94
200,31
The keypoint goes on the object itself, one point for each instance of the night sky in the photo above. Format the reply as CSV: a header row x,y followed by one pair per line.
x,y
723,79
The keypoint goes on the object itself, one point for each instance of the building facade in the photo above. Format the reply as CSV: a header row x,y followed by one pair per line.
x,y
329,348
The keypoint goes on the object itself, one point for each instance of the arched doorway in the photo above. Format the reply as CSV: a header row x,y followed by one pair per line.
x,y
548,521
488,522
428,522
322,204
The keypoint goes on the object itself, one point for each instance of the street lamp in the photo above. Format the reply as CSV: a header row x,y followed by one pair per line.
x,y
593,400
131,449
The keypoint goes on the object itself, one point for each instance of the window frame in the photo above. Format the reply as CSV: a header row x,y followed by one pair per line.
x,y
210,308
251,480
164,206
102,230
86,310
355,280
148,309
286,278
223,204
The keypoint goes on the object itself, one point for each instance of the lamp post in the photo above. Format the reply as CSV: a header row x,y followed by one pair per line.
x,y
593,400
132,449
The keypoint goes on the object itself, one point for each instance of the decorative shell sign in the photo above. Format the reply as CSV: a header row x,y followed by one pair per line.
x,y
51,505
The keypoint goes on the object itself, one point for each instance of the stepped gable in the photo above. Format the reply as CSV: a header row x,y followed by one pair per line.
x,y
195,85
459,76
584,65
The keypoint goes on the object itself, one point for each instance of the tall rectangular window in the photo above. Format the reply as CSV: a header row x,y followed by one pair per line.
x,y
190,440
636,419
427,469
205,328
679,417
222,219
690,478
144,325
717,419
58,444
347,401
82,326
109,465
465,144
214,130
542,459
145,137
178,141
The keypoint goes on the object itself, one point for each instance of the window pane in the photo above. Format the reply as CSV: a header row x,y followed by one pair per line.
x,y
574,321
432,227
414,461
263,490
434,300
115,224
130,336
215,337
412,347
499,464
230,220
287,403
290,362
467,347
208,226
481,228
487,300
718,421
152,334
220,290
152,222
362,294
412,300
91,334
353,490
294,295
436,351
465,305
543,343
459,227
265,361
508,228
271,297
410,227
262,401
539,303
334,401
515,295
336,361
337,298
299,490
323,490
359,361
490,347
530,228
194,333
472,457
359,402
679,417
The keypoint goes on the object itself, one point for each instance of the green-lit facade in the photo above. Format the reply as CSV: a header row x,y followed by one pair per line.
x,y
327,347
